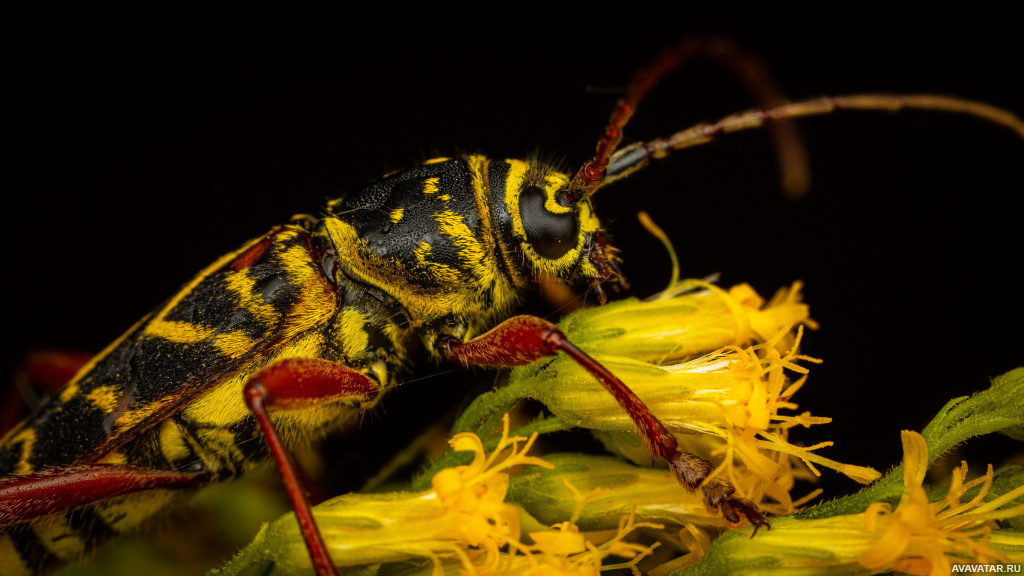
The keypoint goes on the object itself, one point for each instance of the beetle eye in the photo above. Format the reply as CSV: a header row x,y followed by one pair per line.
x,y
551,235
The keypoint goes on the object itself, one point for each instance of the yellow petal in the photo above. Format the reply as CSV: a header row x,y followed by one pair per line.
x,y
888,548
915,458
557,542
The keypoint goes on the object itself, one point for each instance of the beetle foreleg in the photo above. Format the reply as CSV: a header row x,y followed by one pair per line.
x,y
296,383
521,340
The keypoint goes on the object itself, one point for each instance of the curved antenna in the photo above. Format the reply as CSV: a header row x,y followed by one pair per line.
x,y
748,70
635,156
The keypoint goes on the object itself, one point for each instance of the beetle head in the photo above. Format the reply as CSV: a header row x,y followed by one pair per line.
x,y
555,236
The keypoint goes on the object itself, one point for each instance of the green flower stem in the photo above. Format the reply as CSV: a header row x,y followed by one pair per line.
x,y
251,561
997,409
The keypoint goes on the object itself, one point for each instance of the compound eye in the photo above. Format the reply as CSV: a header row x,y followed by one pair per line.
x,y
551,235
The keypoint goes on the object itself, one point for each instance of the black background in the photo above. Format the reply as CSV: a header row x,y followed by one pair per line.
x,y
142,143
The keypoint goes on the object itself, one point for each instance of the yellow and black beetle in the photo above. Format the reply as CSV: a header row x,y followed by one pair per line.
x,y
155,252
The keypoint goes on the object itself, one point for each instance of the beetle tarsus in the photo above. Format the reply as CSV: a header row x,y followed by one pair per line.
x,y
736,509
693,472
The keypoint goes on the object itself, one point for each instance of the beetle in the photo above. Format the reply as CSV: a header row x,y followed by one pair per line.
x,y
549,198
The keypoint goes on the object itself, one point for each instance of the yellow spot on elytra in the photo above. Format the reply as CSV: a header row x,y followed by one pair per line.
x,y
445,197
430,185
244,287
314,306
317,301
105,398
185,332
136,414
396,215
179,331
224,404
27,438
234,344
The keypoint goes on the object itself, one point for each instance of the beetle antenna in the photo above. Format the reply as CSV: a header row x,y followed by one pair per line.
x,y
747,69
635,156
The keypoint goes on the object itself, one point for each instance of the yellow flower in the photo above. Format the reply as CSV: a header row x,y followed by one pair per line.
x,y
919,537
922,537
564,551
710,317
732,396
689,319
463,519
729,405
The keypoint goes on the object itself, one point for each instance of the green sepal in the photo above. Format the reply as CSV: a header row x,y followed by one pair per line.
x,y
654,492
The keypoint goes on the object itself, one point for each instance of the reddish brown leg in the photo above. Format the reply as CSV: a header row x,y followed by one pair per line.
x,y
296,383
525,339
26,497
46,370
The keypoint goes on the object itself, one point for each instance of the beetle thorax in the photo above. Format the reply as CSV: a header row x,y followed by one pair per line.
x,y
461,238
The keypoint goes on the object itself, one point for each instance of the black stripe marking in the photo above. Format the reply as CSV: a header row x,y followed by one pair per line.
x,y
65,432
501,222
145,451
249,440
90,527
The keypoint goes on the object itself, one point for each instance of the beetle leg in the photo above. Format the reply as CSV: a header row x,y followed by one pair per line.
x,y
295,383
23,498
522,340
